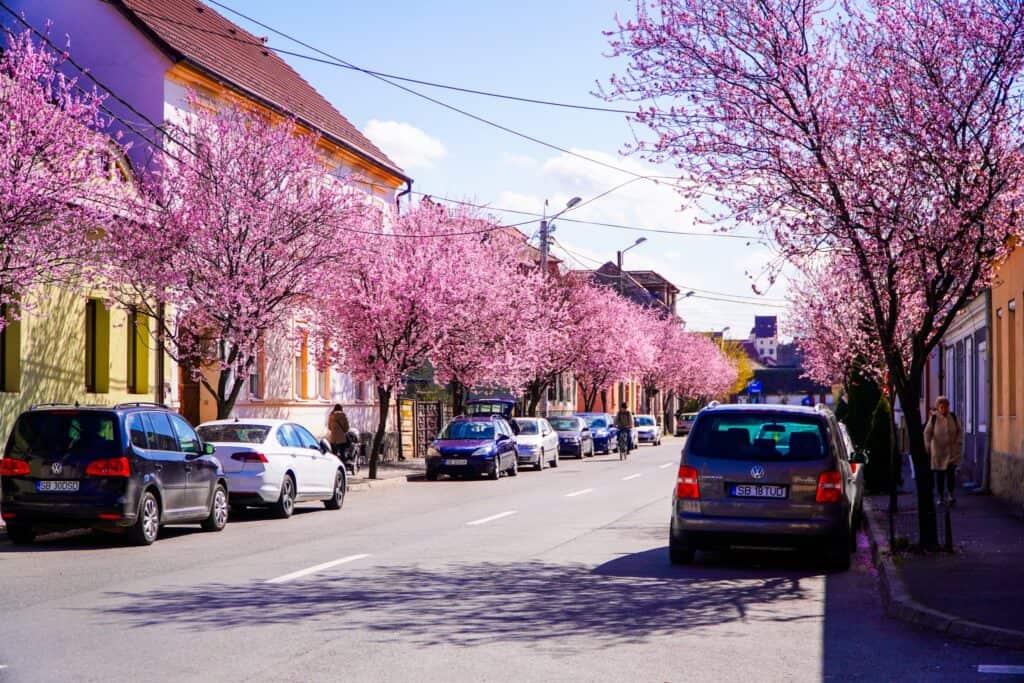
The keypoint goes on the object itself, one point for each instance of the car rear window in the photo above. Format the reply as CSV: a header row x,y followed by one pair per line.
x,y
758,436
526,426
65,432
457,431
563,424
234,433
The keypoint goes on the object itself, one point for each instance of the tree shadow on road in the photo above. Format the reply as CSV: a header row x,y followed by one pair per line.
x,y
628,599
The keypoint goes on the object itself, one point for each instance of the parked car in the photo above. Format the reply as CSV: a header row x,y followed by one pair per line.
x,y
536,441
474,446
647,429
684,423
276,464
131,468
574,436
857,462
764,475
602,428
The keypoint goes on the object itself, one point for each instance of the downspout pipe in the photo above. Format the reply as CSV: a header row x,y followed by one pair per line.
x,y
398,197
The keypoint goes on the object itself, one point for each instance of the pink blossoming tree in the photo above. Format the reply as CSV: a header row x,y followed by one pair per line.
x,y
886,132
239,229
613,342
53,164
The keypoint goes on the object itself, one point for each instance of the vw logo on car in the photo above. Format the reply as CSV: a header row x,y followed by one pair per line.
x,y
57,468
757,472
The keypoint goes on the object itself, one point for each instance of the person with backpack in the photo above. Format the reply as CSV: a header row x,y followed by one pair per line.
x,y
944,441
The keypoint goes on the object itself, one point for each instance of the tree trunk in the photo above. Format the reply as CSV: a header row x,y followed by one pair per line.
x,y
590,392
458,397
383,405
927,529
534,391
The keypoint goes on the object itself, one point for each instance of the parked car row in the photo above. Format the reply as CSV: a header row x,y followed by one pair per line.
x,y
136,467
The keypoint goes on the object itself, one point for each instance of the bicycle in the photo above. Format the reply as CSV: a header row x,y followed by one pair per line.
x,y
623,444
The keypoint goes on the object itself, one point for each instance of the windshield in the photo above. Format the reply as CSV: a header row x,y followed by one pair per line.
x,y
759,436
643,421
468,431
526,426
234,433
563,424
88,433
596,422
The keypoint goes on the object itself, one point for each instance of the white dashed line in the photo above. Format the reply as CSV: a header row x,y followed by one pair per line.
x,y
668,464
578,493
1000,669
491,518
632,476
315,569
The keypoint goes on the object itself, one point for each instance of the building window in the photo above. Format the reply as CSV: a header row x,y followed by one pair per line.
x,y
138,353
10,350
97,347
997,360
1011,359
259,370
300,380
360,387
970,390
982,379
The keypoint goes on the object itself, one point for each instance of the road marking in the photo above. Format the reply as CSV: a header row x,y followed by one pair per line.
x,y
317,568
491,518
578,493
668,464
632,476
1000,669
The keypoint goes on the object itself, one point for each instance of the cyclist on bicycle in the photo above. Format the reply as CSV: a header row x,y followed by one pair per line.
x,y
624,423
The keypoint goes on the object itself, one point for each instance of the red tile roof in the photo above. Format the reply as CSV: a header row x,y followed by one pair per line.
x,y
191,31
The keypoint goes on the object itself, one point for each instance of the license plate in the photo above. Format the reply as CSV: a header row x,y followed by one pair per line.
x,y
455,461
51,485
758,491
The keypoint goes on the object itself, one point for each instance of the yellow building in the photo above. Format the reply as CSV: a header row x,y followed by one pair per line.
x,y
1007,458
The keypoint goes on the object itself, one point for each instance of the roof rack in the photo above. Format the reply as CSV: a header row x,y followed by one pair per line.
x,y
139,404
713,404
50,405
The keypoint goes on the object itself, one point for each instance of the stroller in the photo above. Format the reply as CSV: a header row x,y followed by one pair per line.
x,y
350,452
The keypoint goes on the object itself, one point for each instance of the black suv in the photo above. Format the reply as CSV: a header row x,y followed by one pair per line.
x,y
133,467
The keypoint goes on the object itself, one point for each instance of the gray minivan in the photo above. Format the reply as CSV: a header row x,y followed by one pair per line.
x,y
765,475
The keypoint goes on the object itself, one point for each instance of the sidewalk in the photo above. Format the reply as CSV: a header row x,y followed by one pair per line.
x,y
976,592
388,474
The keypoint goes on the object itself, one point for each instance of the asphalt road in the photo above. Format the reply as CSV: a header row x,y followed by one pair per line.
x,y
561,575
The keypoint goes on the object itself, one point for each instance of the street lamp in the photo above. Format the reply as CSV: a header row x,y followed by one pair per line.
x,y
618,260
546,228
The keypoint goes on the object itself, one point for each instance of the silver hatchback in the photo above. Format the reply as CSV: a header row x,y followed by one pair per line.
x,y
764,475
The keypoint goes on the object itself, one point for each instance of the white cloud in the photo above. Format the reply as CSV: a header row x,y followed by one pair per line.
x,y
519,160
408,145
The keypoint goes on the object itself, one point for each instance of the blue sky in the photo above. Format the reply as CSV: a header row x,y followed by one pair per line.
x,y
541,50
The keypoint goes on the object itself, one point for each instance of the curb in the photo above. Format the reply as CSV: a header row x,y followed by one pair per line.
x,y
901,605
368,484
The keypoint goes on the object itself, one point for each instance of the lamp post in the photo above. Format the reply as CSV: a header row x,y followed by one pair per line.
x,y
618,261
546,229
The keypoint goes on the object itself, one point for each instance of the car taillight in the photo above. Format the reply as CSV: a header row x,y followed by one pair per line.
x,y
686,483
109,467
249,456
830,487
12,467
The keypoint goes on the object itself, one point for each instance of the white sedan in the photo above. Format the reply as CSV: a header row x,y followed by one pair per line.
x,y
647,429
275,463
536,442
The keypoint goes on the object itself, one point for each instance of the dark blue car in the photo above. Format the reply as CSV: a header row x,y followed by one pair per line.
x,y
473,446
574,437
602,428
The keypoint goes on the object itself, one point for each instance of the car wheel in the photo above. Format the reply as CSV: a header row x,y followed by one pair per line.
x,y
496,472
218,517
285,505
147,524
554,463
338,499
20,534
678,553
514,470
541,461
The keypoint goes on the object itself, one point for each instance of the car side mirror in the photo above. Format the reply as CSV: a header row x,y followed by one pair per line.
x,y
325,447
503,437
859,457
208,449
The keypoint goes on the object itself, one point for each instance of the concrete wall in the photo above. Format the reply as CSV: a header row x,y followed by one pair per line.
x,y
1007,431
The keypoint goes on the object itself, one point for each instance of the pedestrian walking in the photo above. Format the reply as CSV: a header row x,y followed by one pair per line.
x,y
337,425
944,441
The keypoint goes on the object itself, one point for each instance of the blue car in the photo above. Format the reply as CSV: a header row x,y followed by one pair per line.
x,y
473,446
574,437
602,428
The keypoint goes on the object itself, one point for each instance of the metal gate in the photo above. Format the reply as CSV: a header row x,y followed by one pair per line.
x,y
428,424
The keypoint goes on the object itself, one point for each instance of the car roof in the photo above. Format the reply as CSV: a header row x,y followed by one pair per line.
x,y
258,421
767,408
477,418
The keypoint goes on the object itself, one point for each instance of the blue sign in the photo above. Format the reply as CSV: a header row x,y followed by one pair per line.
x,y
754,387
805,401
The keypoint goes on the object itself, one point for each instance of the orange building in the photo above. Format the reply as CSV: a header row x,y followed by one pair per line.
x,y
1007,457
